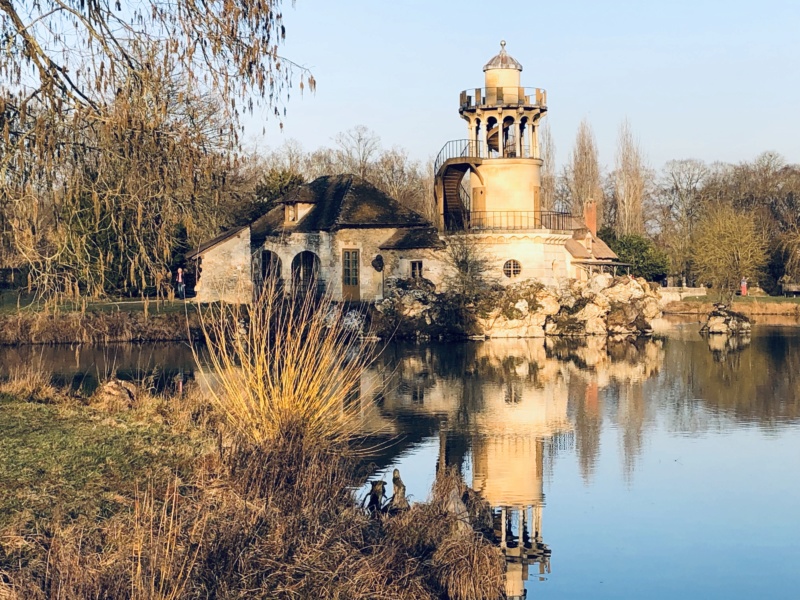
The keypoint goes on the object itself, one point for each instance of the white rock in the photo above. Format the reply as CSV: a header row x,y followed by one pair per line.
x,y
600,282
589,312
548,303
650,308
596,326
522,307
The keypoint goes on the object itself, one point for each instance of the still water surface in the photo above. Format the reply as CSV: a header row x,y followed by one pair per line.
x,y
651,470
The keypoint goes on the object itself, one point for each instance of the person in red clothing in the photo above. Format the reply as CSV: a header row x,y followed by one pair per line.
x,y
744,286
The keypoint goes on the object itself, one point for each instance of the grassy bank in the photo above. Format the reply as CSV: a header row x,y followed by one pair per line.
x,y
101,323
243,490
749,306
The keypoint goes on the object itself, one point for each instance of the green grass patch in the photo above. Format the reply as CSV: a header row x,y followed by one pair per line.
x,y
60,462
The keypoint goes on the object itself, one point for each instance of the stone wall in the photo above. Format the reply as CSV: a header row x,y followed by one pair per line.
x,y
225,271
676,294
329,246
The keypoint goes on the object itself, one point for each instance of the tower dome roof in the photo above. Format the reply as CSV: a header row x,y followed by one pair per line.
x,y
502,60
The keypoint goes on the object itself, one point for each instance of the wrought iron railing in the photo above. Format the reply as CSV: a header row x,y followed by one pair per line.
x,y
479,150
503,96
515,220
457,149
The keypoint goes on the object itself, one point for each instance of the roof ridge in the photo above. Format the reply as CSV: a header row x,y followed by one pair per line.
x,y
349,177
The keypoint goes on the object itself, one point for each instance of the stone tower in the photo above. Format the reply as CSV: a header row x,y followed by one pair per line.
x,y
500,153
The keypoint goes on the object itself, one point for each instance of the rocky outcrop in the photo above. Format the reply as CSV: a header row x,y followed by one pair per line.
x,y
603,305
723,321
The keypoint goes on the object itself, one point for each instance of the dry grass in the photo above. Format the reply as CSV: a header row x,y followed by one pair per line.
x,y
284,363
30,327
31,383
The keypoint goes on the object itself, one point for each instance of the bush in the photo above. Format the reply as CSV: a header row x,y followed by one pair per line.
x,y
645,259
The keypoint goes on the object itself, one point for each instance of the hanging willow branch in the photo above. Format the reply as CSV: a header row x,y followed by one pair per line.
x,y
119,130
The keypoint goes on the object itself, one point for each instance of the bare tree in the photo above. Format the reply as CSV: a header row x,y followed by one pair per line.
x,y
678,206
117,143
356,150
582,173
547,149
630,183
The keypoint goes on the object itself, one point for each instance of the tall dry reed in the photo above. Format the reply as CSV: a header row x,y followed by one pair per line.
x,y
283,363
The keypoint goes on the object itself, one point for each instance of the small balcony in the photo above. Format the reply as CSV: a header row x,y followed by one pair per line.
x,y
502,96
482,221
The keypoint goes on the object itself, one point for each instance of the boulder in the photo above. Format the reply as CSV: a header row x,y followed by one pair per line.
x,y
722,320
590,312
548,302
625,290
596,326
600,282
115,395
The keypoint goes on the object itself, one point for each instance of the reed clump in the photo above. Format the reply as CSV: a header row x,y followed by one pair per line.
x,y
31,383
284,364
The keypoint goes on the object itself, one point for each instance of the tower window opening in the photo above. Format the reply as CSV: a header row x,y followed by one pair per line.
x,y
416,269
512,268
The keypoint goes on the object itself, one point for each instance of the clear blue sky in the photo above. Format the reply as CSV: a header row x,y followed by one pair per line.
x,y
715,80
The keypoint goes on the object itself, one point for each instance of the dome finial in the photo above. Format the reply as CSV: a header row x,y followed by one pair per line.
x,y
502,45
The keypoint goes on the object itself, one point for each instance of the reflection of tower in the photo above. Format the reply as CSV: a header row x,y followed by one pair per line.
x,y
508,453
588,424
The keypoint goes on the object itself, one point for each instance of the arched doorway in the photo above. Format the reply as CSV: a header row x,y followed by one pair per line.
x,y
270,265
305,272
270,269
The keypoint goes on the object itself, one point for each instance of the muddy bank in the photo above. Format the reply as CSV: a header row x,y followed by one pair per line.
x,y
97,327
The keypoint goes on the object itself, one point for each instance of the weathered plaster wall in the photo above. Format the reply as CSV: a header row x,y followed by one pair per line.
x,y
330,246
225,271
541,255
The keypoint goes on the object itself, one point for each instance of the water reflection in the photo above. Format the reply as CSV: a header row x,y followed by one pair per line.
x,y
83,367
506,409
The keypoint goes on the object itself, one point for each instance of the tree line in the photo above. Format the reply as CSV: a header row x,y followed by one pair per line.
x,y
698,223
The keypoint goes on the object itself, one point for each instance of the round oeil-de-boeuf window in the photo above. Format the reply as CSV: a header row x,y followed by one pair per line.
x,y
512,268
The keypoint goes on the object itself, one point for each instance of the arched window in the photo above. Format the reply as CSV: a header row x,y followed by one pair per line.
x,y
512,268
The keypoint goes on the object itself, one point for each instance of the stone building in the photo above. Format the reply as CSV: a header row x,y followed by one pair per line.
x,y
343,235
339,234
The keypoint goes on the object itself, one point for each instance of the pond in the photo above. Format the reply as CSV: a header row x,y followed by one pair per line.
x,y
670,466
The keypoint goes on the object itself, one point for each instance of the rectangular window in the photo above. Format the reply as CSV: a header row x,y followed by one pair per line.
x,y
416,269
350,267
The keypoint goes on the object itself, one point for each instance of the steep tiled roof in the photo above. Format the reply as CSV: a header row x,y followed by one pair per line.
x,y
601,251
406,239
577,250
205,246
339,202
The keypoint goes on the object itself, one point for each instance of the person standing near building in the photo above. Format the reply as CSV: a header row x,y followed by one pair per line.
x,y
181,284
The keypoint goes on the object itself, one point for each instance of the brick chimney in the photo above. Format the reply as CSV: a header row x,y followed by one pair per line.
x,y
590,215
